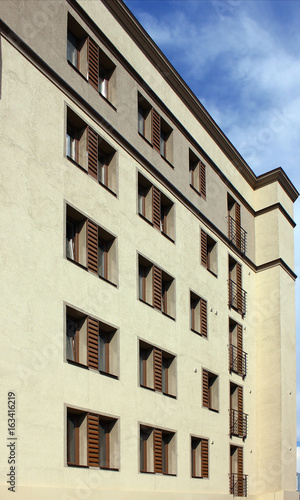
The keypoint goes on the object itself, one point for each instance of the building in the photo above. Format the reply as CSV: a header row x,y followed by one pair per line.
x,y
148,322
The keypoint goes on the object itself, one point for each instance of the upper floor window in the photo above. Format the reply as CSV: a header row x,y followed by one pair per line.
x,y
199,448
236,234
237,357
92,440
210,390
157,369
77,42
91,152
91,246
90,60
154,129
157,450
209,257
91,343
198,312
154,206
156,287
237,296
238,419
197,170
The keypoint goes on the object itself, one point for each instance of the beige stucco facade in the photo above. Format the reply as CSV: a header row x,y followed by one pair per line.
x,y
40,184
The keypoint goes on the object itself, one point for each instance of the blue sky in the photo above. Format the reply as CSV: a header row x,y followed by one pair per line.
x,y
241,59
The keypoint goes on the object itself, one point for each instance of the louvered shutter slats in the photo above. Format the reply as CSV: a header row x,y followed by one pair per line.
x,y
92,153
240,472
93,63
158,460
238,224
203,317
93,440
203,179
155,130
240,349
205,388
203,248
204,458
156,207
93,343
157,369
157,287
240,411
239,287
92,246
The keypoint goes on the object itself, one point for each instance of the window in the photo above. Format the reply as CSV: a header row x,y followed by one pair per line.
x,y
238,480
209,258
197,171
157,369
237,357
92,440
157,451
91,246
84,54
238,419
91,343
198,313
237,296
77,42
86,148
236,234
101,71
199,458
155,207
156,287
154,128
210,390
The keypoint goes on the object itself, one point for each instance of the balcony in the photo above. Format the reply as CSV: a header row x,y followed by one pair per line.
x,y
237,297
238,485
237,361
237,235
238,424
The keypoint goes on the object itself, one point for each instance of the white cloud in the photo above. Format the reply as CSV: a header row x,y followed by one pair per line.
x,y
298,458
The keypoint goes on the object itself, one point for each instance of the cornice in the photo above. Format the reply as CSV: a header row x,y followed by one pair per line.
x,y
278,175
131,25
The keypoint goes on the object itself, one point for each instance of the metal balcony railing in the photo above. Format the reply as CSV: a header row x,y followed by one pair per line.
x,y
237,361
238,423
237,235
237,297
238,485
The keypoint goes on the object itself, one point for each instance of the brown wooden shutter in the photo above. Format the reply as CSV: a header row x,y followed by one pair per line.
x,y
92,246
202,179
239,287
93,343
204,457
240,349
156,207
203,317
158,451
240,411
93,439
203,248
205,391
92,153
155,130
157,369
93,63
157,287
240,472
238,225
